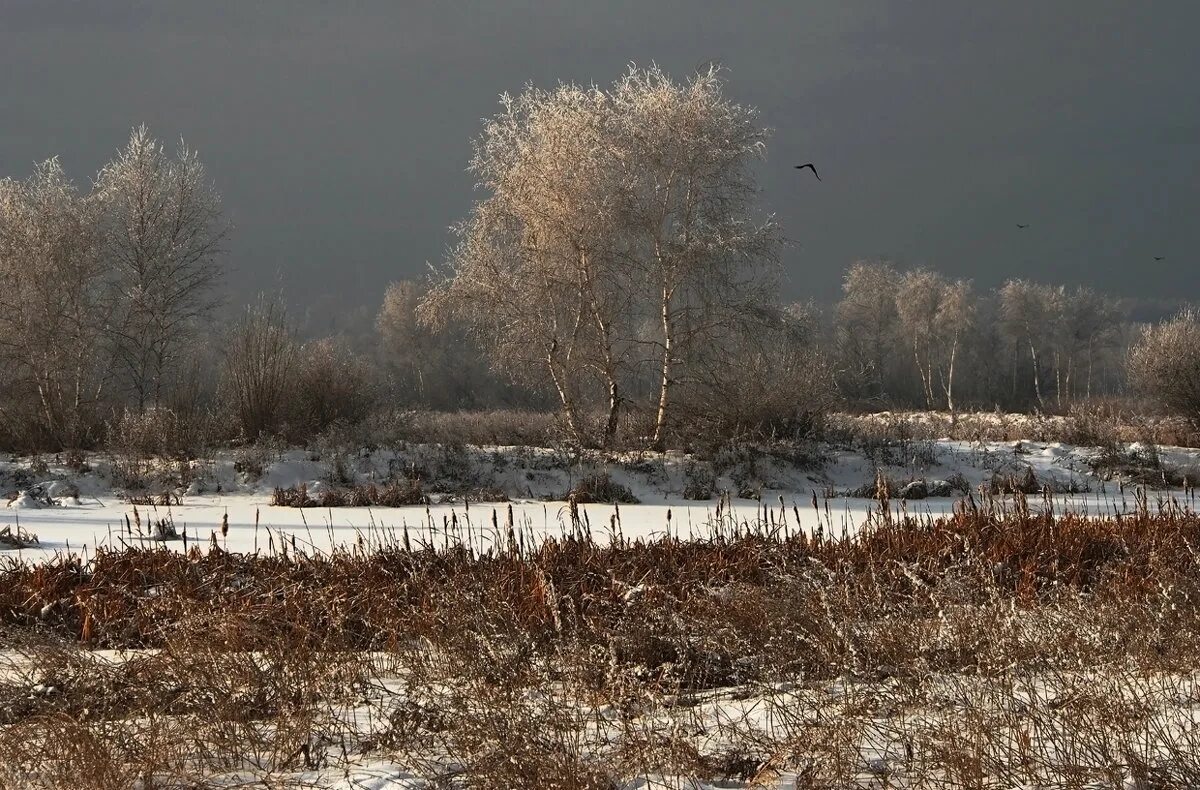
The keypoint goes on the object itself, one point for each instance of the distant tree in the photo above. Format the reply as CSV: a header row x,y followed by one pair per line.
x,y
162,234
955,320
867,327
1028,312
919,296
1164,364
55,301
934,314
438,367
1091,325
408,346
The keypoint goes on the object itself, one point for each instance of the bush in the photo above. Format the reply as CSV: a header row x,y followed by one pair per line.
x,y
330,385
399,493
602,489
157,432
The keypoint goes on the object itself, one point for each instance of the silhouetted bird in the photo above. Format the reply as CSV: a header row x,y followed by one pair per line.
x,y
1022,227
809,165
1160,257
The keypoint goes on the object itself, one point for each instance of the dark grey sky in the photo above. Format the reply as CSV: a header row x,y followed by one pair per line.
x,y
338,132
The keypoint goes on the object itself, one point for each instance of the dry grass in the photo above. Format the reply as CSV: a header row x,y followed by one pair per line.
x,y
1098,424
990,648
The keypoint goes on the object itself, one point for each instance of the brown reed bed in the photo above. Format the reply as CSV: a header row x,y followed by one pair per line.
x,y
572,663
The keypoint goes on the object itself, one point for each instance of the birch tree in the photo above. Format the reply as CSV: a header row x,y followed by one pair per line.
x,y
55,300
919,296
163,235
955,318
688,208
868,326
1027,313
534,275
605,208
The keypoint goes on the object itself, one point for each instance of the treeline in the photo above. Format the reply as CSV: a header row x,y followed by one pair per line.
x,y
617,275
916,339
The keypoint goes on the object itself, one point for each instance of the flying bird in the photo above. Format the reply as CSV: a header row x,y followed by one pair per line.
x,y
1159,257
809,165
1022,227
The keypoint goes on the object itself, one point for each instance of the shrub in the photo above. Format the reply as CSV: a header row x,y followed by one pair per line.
x,y
330,385
600,488
399,493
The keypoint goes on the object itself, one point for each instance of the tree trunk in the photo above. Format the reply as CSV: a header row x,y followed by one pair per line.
x,y
664,392
564,395
614,408
1089,372
610,364
922,374
1037,380
950,378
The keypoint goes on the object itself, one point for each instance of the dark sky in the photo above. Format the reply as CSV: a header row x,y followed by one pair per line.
x,y
339,132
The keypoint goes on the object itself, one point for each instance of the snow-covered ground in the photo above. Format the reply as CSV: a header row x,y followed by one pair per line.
x,y
214,500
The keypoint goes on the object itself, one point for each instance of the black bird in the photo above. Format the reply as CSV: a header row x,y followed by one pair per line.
x,y
1159,257
809,165
1022,227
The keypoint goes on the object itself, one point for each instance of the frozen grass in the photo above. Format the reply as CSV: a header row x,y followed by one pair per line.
x,y
996,647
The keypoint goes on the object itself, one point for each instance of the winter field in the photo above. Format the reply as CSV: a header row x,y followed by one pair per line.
x,y
876,612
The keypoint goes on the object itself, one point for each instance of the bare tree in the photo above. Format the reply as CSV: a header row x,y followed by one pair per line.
x,y
55,300
919,296
535,275
259,357
868,326
163,233
439,367
955,318
407,346
1091,325
934,314
687,199
1028,313
773,383
1164,363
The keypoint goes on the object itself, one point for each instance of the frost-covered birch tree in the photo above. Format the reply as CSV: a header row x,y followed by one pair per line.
x,y
533,274
867,328
934,314
607,208
1027,312
163,231
55,301
688,214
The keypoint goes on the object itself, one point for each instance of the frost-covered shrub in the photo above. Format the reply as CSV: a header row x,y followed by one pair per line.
x,y
601,488
156,432
700,482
